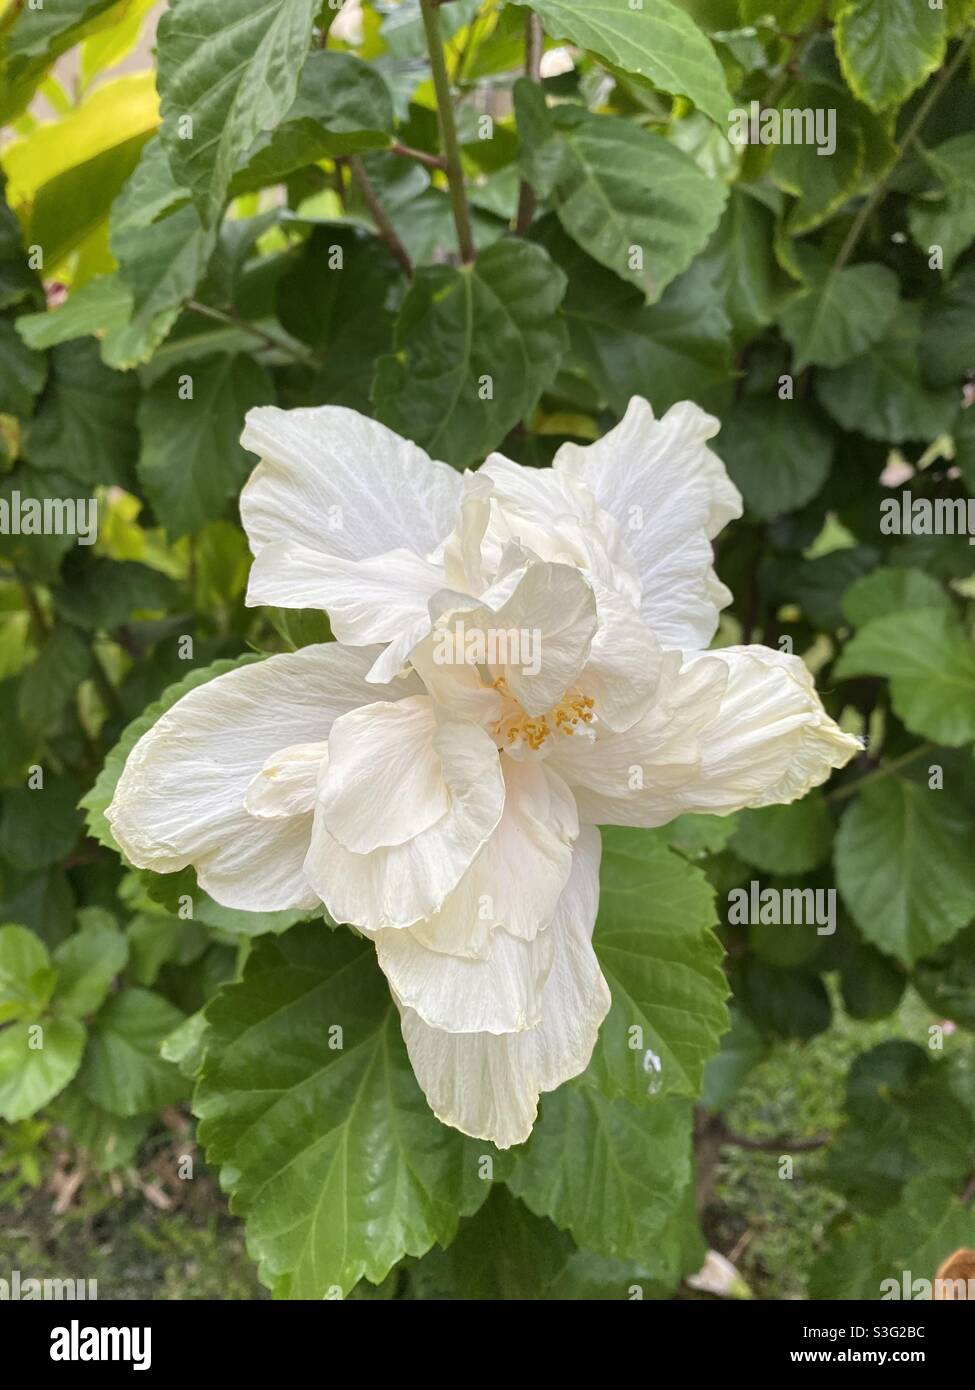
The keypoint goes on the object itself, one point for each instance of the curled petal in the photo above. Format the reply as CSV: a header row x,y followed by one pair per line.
x,y
670,496
552,515
500,994
487,1084
772,741
515,882
181,796
384,782
736,727
636,777
396,884
339,513
286,784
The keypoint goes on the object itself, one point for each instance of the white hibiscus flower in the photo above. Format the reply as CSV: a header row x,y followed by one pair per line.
x,y
448,810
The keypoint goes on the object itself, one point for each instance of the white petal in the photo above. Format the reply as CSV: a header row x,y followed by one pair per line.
x,y
554,611
625,661
515,882
637,777
180,798
338,486
398,884
772,740
487,1085
368,601
384,783
670,495
286,784
538,639
500,994
551,515
444,604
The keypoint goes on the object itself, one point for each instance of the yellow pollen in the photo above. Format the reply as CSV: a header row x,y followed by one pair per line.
x,y
533,730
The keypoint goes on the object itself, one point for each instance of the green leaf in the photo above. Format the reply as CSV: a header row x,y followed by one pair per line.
x,y
784,1002
123,1071
946,980
475,348
886,847
891,590
26,977
36,1062
156,940
791,15
39,825
38,36
677,1251
887,48
234,70
191,461
609,1172
881,393
662,963
85,422
681,344
904,1119
872,984
330,1153
45,31
635,203
503,1252
777,452
162,248
696,834
785,839
49,682
930,662
742,266
110,1141
42,901
342,106
74,205
818,585
742,1048
87,964
300,627
17,280
97,801
965,449
840,317
22,373
820,181
339,294
913,1238
186,1045
947,217
948,331
108,591
98,307
659,42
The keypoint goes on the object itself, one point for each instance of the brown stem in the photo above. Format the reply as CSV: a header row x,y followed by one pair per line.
x,y
534,43
883,770
383,225
431,161
233,320
782,1145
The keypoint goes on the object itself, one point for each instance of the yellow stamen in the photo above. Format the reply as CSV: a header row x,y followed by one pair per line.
x,y
533,730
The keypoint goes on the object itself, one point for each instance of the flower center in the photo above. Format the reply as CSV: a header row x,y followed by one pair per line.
x,y
515,726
